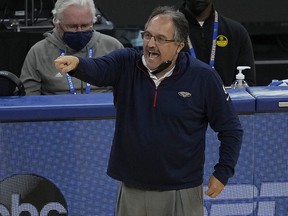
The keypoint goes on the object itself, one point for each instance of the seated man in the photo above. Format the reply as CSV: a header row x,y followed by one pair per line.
x,y
73,34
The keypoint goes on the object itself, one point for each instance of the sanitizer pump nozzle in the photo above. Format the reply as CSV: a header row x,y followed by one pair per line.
x,y
240,78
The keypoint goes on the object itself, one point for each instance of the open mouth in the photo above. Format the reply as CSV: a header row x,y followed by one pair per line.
x,y
153,55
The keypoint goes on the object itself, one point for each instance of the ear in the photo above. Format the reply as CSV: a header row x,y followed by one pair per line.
x,y
57,26
180,47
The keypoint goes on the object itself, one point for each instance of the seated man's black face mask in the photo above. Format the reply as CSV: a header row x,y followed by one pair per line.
x,y
197,6
77,40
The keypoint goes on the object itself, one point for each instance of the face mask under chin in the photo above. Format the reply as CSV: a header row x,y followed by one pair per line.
x,y
77,40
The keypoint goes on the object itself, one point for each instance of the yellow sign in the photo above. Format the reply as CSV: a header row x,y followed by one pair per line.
x,y
222,41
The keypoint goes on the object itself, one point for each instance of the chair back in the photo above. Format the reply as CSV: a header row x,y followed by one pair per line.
x,y
8,84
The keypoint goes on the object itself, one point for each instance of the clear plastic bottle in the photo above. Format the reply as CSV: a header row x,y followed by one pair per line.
x,y
240,82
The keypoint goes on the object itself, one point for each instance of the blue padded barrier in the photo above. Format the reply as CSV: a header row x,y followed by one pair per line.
x,y
242,100
270,98
58,107
85,106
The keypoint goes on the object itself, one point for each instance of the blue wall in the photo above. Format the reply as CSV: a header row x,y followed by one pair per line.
x,y
73,154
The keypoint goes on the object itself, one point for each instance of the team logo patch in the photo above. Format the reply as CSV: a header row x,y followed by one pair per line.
x,y
184,94
222,41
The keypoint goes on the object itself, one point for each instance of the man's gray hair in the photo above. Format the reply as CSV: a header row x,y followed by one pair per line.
x,y
61,5
179,20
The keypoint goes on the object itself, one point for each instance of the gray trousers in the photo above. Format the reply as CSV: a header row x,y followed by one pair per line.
x,y
137,202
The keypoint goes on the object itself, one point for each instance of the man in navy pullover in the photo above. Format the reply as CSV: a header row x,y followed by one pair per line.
x,y
165,100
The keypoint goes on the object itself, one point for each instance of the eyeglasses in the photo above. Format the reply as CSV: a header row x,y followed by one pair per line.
x,y
157,38
75,27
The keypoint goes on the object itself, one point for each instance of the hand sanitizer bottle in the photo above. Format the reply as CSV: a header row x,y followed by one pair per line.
x,y
240,82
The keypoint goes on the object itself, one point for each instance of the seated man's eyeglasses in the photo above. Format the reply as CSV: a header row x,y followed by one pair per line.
x,y
75,27
159,39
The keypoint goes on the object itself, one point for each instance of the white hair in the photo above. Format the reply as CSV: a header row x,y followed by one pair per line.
x,y
62,5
